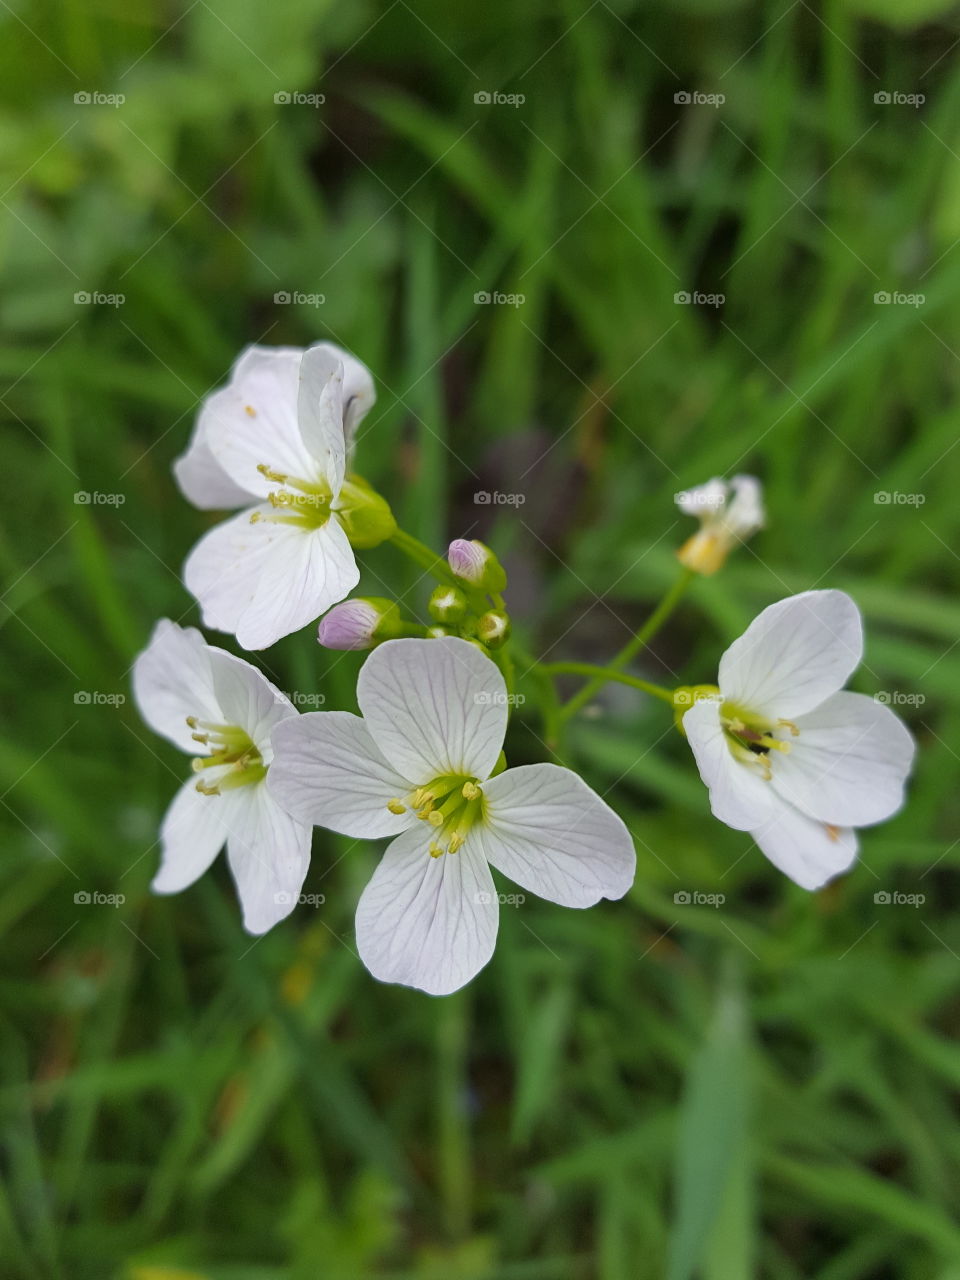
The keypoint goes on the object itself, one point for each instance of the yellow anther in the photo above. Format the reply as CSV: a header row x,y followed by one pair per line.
x,y
435,818
396,807
456,840
201,737
205,789
470,791
249,410
788,724
269,474
435,851
192,722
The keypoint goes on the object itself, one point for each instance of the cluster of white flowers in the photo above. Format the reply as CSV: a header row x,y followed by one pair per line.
x,y
786,754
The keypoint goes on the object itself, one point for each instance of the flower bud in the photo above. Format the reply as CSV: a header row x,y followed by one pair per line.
x,y
438,632
729,513
493,628
365,516
447,604
360,623
475,563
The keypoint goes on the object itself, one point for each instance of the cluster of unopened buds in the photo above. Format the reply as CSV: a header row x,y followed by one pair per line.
x,y
786,753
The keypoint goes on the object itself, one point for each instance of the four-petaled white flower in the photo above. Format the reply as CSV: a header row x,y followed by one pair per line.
x,y
786,752
275,440
222,711
421,765
729,511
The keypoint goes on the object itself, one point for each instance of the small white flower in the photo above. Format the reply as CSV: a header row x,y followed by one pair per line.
x,y
222,711
786,752
418,766
275,440
729,511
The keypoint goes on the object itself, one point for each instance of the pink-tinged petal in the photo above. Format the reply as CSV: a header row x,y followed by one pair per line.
x,y
794,655
253,420
328,772
263,580
810,853
425,922
739,796
349,625
173,679
268,852
248,699
849,763
191,835
320,414
551,834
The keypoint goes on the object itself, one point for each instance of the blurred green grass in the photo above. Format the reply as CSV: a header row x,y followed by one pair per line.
x,y
767,1088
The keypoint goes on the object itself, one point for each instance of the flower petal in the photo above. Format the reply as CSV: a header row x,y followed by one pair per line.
x,y
794,655
202,480
810,853
247,698
550,833
434,707
320,413
739,796
173,679
849,764
263,580
253,420
427,922
192,833
327,771
268,852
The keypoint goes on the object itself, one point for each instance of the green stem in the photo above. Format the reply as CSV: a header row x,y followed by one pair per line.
x,y
453,1138
421,554
604,674
643,636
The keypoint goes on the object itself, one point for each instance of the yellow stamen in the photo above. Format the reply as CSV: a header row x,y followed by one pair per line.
x,y
396,807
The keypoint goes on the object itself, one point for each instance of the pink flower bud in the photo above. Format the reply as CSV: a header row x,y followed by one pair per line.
x,y
350,625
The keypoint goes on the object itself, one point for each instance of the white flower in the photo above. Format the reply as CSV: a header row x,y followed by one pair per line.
x,y
275,440
729,511
418,766
786,752
222,711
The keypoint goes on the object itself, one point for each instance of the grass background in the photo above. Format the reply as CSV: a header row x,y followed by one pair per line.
x,y
767,1088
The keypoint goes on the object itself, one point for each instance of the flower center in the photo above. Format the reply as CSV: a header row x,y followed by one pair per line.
x,y
452,804
751,738
305,503
232,753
